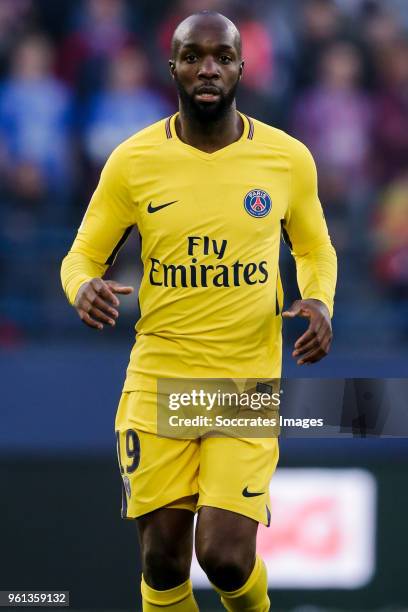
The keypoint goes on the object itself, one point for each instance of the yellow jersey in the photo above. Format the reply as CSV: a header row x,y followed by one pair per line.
x,y
210,223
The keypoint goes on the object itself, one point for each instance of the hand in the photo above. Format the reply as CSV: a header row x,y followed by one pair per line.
x,y
96,302
315,342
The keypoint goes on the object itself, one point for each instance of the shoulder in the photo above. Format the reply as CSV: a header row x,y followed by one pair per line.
x,y
137,147
150,136
281,142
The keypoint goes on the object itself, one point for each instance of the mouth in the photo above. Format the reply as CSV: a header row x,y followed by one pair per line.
x,y
207,94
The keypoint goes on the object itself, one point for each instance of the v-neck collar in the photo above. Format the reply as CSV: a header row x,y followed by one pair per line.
x,y
247,134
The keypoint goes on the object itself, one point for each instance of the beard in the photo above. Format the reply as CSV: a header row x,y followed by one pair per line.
x,y
205,112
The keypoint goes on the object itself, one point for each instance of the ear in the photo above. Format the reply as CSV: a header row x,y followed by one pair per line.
x,y
241,69
172,66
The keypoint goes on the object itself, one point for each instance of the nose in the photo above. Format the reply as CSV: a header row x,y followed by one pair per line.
x,y
208,68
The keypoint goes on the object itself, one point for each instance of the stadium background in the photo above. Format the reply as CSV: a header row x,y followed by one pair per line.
x,y
77,77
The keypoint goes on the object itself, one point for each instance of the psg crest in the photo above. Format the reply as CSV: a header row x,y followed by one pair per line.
x,y
257,203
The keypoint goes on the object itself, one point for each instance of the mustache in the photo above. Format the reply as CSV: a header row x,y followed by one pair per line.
x,y
207,89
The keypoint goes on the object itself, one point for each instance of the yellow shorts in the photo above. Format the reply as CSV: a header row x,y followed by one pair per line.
x,y
228,473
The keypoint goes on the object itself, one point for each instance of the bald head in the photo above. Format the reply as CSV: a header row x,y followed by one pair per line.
x,y
199,22
206,66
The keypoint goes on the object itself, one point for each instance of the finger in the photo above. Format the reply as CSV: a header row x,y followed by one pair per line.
x,y
309,335
304,348
290,313
99,315
90,309
91,299
117,288
103,290
107,308
293,309
123,290
297,312
300,312
312,356
317,353
319,339
316,327
88,320
327,344
323,344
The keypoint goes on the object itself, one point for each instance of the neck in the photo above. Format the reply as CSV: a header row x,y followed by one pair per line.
x,y
209,136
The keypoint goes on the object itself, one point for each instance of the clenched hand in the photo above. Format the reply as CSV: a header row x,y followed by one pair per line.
x,y
96,302
315,342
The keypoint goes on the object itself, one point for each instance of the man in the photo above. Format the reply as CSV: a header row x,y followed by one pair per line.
x,y
209,190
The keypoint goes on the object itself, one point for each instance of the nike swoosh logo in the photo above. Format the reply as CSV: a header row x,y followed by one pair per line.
x,y
246,493
152,209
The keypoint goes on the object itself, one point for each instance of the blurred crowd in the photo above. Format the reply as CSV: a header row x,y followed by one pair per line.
x,y
79,76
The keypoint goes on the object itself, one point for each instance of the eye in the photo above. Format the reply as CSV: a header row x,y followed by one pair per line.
x,y
190,58
225,59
